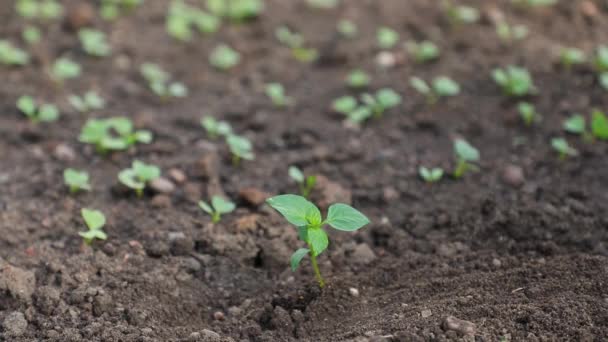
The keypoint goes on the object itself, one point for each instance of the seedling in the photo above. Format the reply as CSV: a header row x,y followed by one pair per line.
x,y
511,33
223,57
236,10
384,100
138,176
347,28
43,113
599,125
358,79
113,134
65,68
572,56
466,156
459,15
601,65
215,128
306,184
183,19
11,55
387,38
576,124
528,113
76,180
309,223
276,93
422,52
240,147
39,9
534,3
218,207
295,42
323,4
94,42
88,102
111,9
95,220
430,175
441,87
563,148
31,34
514,81
159,81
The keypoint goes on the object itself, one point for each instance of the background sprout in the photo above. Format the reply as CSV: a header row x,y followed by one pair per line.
x,y
11,55
511,33
357,79
572,56
601,59
387,38
347,28
159,82
295,42
39,9
276,93
65,68
514,81
307,218
563,148
76,180
599,125
466,155
323,4
111,9
344,104
576,124
240,147
384,100
31,34
43,113
223,57
138,176
215,128
88,102
218,207
441,87
95,220
183,19
430,175
528,113
236,10
113,134
534,3
461,14
422,52
94,42
306,184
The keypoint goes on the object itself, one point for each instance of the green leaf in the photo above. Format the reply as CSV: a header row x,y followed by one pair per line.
x,y
48,113
221,205
129,178
344,104
145,172
27,105
297,257
465,151
296,174
387,37
445,86
205,206
318,239
420,85
77,179
94,219
296,209
388,98
575,124
346,218
599,125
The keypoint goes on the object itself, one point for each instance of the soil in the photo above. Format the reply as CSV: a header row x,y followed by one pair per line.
x,y
515,252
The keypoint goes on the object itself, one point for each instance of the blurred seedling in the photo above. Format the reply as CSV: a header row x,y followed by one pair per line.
x,y
511,33
295,41
441,87
65,68
577,124
90,101
433,175
534,3
111,9
215,128
159,81
240,147
11,55
572,56
37,113
95,221
466,157
564,149
113,134
528,113
347,28
31,34
323,4
94,42
306,183
422,52
370,106
183,19
387,38
460,14
236,10
76,180
39,9
514,81
217,208
601,65
309,223
138,176
223,57
357,79
276,93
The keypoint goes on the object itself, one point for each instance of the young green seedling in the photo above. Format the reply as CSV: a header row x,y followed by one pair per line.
x,y
218,207
430,175
138,176
534,3
95,220
387,38
88,102
240,147
113,134
511,33
39,9
111,9
441,87
31,34
223,57
563,148
384,100
357,79
309,222
514,81
347,28
43,113
215,128
599,125
466,156
94,42
601,65
276,93
459,15
183,19
236,10
306,184
528,113
323,4
572,56
422,52
159,81
76,180
11,55
295,41
65,68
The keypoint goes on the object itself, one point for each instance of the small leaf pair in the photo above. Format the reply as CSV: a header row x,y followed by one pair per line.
x,y
217,208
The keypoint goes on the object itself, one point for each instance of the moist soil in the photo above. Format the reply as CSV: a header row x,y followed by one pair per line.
x,y
515,252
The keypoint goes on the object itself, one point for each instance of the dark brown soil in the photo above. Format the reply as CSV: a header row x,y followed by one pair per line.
x,y
527,263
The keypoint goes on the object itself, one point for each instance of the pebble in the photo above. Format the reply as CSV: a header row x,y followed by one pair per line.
x,y
162,185
80,15
247,223
180,244
460,326
161,201
64,152
178,176
513,175
15,324
252,196
353,292
219,316
426,313
386,59
589,9
363,254
157,249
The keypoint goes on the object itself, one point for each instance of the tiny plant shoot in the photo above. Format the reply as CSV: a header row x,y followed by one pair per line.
x,y
39,9
11,55
88,102
94,42
511,33
357,79
572,56
564,149
514,81
43,113
387,38
76,180
111,9
95,220
528,113
422,52
309,222
183,19
215,128
433,175
159,81
223,57
31,34
236,10
276,93
240,147
218,207
295,41
113,134
347,29
466,156
138,176
459,15
601,65
306,184
441,87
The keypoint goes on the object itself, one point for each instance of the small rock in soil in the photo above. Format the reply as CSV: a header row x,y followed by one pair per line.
x,y
180,244
253,196
162,185
47,298
80,15
191,265
363,254
386,59
247,223
161,201
18,282
460,326
218,316
353,292
178,176
331,192
64,153
157,249
513,175
426,313
14,324
281,320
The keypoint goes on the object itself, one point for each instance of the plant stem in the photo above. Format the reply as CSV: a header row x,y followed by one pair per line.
x,y
215,217
460,168
315,267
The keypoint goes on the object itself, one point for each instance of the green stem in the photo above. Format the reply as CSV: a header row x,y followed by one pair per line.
x,y
139,193
215,217
236,160
461,168
315,267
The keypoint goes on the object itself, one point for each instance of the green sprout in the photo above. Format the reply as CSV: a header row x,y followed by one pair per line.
x,y
94,42
528,113
534,3
433,175
422,52
599,125
387,38
601,65
564,149
183,19
240,147
276,93
223,57
11,55
295,42
572,56
441,87
357,79
236,10
466,156
39,9
347,28
65,68
31,34
511,33
306,184
138,176
159,81
309,223
323,4
577,124
76,180
95,220
111,9
461,14
514,81
371,106
113,134
218,207
215,128
88,102
43,113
